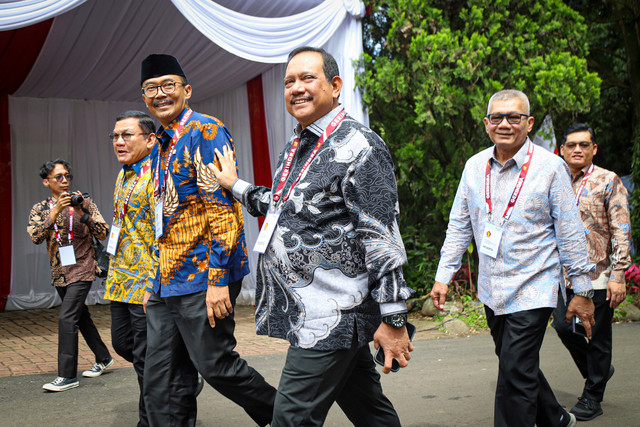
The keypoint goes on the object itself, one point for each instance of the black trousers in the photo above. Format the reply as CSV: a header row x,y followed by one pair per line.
x,y
181,343
312,380
129,340
523,395
74,316
592,357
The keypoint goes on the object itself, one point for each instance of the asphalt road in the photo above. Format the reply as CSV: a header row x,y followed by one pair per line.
x,y
449,382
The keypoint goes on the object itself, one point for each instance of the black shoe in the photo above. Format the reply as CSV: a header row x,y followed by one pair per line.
x,y
586,409
200,385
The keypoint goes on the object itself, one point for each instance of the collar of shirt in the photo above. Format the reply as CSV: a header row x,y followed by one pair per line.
x,y
321,124
162,133
582,173
136,166
519,158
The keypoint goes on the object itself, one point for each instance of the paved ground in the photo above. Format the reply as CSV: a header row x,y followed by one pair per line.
x,y
450,381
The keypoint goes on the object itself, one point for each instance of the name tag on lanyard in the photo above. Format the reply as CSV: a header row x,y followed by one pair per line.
x,y
114,235
268,227
67,255
159,209
491,240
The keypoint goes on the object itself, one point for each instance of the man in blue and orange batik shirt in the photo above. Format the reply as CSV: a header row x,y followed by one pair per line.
x,y
202,259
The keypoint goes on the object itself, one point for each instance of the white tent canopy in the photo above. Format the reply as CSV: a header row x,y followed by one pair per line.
x,y
88,71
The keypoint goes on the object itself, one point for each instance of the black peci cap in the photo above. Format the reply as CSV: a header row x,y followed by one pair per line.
x,y
159,64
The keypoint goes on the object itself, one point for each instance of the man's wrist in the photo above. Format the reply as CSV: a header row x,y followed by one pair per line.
x,y
397,320
585,294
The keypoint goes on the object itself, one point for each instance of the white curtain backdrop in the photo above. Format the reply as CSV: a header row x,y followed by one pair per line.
x,y
22,13
88,72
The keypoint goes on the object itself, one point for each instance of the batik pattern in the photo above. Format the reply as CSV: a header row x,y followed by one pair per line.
x,y
605,215
134,266
337,252
40,229
203,239
543,233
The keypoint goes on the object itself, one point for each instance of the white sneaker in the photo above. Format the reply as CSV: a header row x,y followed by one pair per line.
x,y
572,420
97,369
61,384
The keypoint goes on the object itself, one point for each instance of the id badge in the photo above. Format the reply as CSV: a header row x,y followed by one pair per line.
x,y
268,227
491,240
67,255
159,208
114,235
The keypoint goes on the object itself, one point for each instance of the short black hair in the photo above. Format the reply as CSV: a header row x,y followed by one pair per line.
x,y
330,66
144,121
578,127
46,169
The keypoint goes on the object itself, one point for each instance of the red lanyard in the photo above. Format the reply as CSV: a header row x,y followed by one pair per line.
x,y
174,140
55,225
584,182
286,169
516,190
143,169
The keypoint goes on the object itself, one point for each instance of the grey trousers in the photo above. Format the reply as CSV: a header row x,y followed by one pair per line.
x,y
181,343
312,380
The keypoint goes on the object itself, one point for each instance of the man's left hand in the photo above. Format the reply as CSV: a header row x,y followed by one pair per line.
x,y
395,343
218,303
583,308
226,175
616,293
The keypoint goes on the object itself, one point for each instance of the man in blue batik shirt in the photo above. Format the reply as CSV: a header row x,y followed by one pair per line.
x,y
516,201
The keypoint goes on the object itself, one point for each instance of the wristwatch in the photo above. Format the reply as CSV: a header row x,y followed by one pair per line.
x,y
586,294
397,320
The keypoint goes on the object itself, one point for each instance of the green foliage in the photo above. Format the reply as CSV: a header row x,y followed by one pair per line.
x,y
430,68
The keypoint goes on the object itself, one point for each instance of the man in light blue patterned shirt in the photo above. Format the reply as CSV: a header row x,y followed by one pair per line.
x,y
516,201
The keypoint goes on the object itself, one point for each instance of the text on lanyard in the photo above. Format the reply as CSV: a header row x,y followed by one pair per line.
x,y
582,185
286,169
516,191
123,211
174,140
55,225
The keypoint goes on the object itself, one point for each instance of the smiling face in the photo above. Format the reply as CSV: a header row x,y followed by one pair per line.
x,y
52,183
166,108
508,138
307,94
139,144
578,150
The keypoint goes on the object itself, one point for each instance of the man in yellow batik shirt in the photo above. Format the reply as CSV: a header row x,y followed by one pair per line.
x,y
131,242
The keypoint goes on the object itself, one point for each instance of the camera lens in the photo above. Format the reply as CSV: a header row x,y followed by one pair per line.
x,y
76,200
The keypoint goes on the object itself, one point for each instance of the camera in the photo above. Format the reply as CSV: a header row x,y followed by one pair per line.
x,y
77,200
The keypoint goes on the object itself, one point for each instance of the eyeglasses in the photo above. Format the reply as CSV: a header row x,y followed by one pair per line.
x,y
61,178
126,136
512,118
167,88
572,145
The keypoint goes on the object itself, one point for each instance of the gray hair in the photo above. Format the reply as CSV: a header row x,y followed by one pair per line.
x,y
507,94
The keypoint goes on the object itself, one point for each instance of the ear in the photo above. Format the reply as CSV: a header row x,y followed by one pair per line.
x,y
530,121
187,91
486,125
336,85
45,182
595,149
151,140
562,150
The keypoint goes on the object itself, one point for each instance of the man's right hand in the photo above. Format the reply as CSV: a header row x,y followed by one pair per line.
x,y
227,174
439,295
64,200
583,308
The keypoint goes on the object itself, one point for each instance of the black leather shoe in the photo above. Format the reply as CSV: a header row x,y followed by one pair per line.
x,y
586,409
